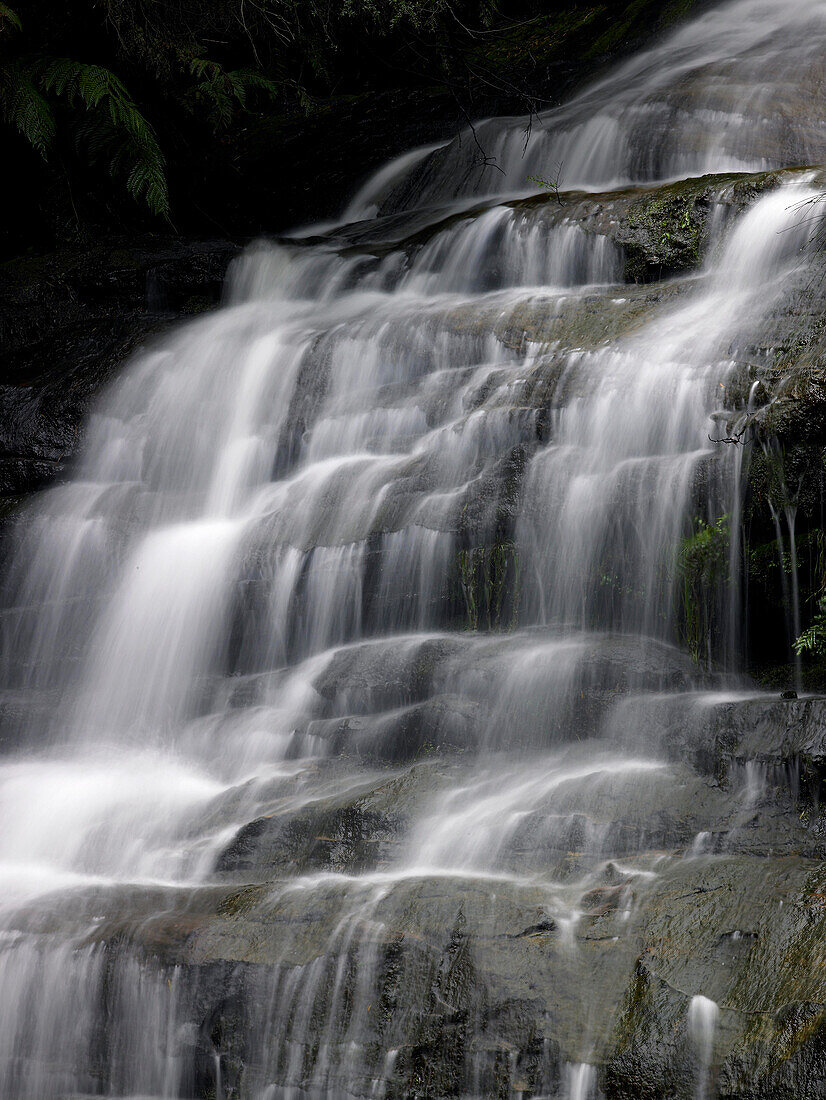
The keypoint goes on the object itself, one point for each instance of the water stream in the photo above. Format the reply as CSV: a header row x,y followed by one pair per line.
x,y
393,529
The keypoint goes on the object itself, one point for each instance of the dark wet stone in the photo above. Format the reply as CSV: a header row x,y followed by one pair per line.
x,y
68,321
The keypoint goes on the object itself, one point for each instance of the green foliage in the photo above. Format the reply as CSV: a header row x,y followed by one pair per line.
x,y
115,129
551,184
813,640
9,20
702,567
218,93
25,108
685,223
112,126
21,103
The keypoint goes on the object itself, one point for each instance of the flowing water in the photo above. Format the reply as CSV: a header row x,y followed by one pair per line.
x,y
392,530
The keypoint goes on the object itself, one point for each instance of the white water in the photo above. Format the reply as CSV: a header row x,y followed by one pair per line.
x,y
267,555
703,1014
733,90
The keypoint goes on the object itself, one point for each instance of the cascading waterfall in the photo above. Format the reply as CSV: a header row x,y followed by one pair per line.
x,y
252,603
734,90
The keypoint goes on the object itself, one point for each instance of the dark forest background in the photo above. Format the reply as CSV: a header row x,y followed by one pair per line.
x,y
236,117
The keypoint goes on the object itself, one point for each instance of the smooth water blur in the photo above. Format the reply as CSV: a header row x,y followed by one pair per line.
x,y
735,89
379,503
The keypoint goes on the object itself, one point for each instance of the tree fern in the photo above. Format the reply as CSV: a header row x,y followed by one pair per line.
x,y
9,20
25,108
21,104
132,139
114,127
220,92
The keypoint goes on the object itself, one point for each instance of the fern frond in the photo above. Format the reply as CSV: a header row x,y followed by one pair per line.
x,y
147,180
25,108
115,127
238,87
250,79
59,75
219,92
95,82
813,640
9,20
203,68
96,134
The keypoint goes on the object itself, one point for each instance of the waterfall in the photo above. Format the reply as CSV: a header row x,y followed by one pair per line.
x,y
702,1024
348,700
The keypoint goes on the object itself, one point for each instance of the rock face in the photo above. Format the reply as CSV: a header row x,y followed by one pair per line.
x,y
477,985
69,321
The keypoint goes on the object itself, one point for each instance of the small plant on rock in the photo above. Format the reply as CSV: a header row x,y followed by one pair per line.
x,y
552,184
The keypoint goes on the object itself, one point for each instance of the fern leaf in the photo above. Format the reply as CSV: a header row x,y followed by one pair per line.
x,y
115,127
239,90
249,78
147,181
25,108
203,68
9,20
60,75
94,82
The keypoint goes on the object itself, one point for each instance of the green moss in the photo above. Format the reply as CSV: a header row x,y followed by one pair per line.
x,y
241,902
635,1008
796,1029
488,581
702,567
668,232
196,303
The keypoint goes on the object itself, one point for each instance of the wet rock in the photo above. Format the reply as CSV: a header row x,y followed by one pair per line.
x,y
742,933
391,701
659,231
471,983
68,321
462,981
349,838
441,723
784,740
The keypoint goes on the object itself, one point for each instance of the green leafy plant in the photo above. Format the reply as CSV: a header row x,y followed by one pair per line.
x,y
110,125
551,184
114,128
9,20
702,565
813,640
21,103
219,93
24,107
